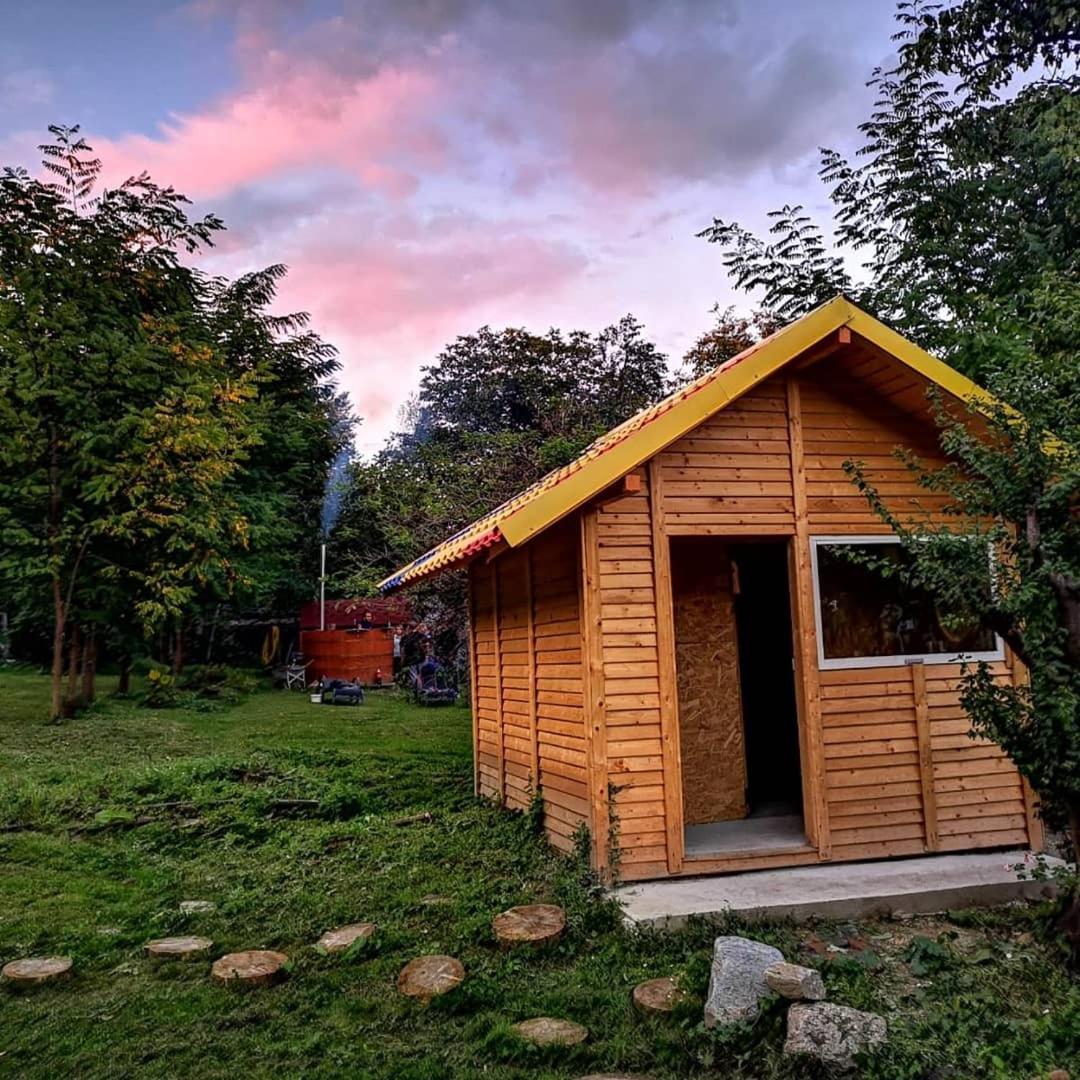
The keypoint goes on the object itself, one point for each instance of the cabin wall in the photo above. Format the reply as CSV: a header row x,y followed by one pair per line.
x,y
574,651
887,792
528,680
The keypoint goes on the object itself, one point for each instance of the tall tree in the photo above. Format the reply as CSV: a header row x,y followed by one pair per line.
x,y
496,411
164,439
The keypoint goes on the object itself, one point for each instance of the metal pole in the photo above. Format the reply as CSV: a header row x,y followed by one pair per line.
x,y
322,591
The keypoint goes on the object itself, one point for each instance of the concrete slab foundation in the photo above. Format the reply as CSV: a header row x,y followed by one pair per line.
x,y
835,890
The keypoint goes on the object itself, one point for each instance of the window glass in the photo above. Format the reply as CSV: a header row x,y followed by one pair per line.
x,y
866,614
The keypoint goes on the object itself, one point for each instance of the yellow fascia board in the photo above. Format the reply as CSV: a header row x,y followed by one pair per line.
x,y
611,465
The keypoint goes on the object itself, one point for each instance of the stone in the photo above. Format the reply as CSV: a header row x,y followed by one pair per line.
x,y
532,924
1058,1074
737,981
257,967
658,996
795,982
34,970
197,907
178,947
549,1031
341,938
429,976
832,1034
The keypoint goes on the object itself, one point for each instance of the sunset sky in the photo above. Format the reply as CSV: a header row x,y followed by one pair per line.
x,y
425,167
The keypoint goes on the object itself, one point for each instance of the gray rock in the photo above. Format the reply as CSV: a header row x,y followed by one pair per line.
x,y
197,907
795,982
832,1034
737,982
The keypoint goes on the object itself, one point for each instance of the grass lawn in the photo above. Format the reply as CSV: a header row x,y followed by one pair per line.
x,y
111,819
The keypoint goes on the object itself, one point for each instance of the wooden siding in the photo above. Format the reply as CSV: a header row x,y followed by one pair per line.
x,y
528,707
578,625
732,475
634,749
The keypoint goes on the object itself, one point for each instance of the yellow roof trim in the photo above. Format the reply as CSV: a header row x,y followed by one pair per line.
x,y
643,436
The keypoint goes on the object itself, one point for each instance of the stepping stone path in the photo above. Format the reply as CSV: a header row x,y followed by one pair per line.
x,y
532,924
258,967
658,996
197,907
795,982
34,970
429,976
548,1031
178,947
832,1034
340,939
737,980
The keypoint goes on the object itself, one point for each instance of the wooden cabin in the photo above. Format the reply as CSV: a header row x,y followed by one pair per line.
x,y
670,644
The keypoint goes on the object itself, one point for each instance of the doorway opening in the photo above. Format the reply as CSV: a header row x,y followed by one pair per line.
x,y
739,741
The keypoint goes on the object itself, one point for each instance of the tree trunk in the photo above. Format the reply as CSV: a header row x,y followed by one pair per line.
x,y
56,700
56,703
178,649
74,656
89,667
124,685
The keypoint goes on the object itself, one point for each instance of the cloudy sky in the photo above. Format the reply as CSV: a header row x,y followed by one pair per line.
x,y
425,167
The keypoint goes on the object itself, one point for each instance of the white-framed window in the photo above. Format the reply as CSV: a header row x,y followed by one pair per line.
x,y
866,619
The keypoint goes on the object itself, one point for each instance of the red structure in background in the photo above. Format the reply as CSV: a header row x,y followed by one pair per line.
x,y
347,614
358,642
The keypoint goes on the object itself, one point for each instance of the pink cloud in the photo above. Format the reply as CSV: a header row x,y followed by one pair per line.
x,y
377,128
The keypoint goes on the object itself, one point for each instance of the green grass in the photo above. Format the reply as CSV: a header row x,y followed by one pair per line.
x,y
111,819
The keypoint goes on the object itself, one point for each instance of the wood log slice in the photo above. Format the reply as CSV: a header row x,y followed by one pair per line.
x,y
429,976
257,967
657,996
34,970
342,937
550,1031
532,924
179,948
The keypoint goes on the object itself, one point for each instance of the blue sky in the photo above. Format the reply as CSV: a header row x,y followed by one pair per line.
x,y
425,167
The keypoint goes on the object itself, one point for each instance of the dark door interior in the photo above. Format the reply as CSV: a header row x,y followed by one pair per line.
x,y
763,621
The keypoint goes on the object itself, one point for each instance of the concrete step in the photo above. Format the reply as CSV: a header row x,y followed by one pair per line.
x,y
836,890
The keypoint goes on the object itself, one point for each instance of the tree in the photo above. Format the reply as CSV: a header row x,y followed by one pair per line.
x,y
1014,487
732,334
496,411
132,397
965,214
960,197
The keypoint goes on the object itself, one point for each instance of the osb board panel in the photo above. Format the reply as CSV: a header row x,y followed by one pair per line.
x,y
711,734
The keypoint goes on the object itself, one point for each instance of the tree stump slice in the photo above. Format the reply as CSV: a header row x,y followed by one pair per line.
x,y
180,948
657,996
550,1031
34,970
532,924
341,938
429,976
258,967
